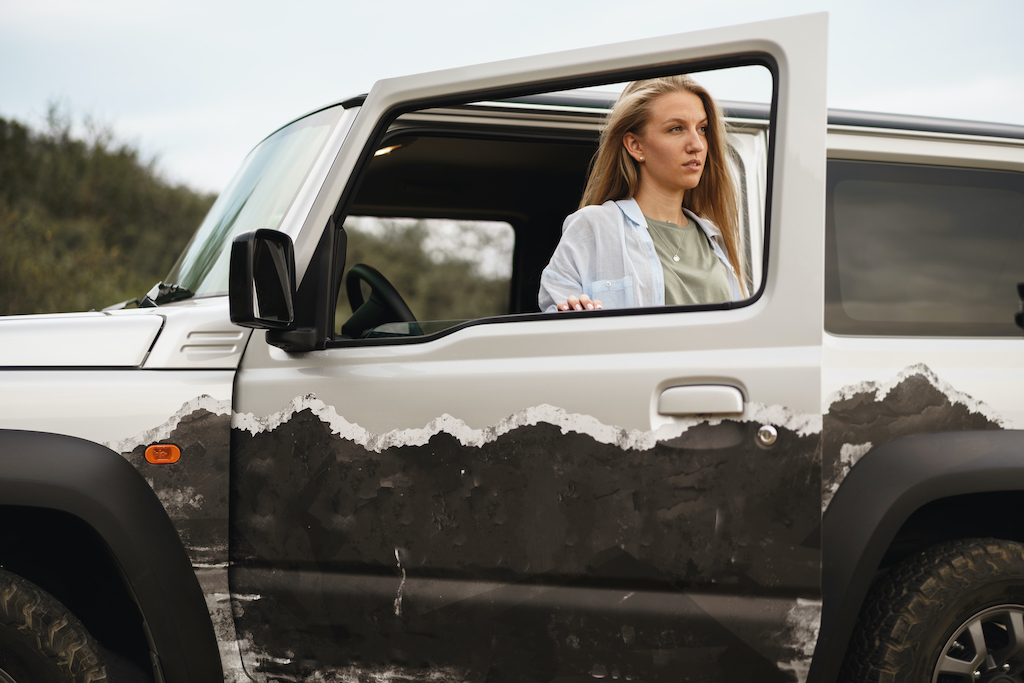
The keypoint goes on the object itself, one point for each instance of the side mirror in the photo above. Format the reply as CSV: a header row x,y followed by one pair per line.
x,y
261,282
1019,318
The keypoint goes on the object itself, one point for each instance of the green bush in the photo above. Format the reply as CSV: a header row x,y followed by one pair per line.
x,y
84,223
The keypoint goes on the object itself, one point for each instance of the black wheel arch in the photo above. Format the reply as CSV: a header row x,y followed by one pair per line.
x,y
97,486
889,486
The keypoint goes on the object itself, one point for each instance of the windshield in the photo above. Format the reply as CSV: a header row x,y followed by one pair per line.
x,y
258,196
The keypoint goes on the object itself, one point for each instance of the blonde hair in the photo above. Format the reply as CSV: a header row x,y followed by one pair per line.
x,y
614,174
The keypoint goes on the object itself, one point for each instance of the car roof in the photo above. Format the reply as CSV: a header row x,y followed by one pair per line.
x,y
595,100
603,101
837,117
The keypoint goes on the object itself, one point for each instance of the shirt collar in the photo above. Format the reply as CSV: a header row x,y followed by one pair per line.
x,y
707,226
632,211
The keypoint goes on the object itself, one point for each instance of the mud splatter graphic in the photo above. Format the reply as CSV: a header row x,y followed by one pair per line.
x,y
164,431
867,415
518,543
214,582
803,623
401,586
803,424
194,490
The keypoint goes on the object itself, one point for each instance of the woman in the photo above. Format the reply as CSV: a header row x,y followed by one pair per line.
x,y
658,221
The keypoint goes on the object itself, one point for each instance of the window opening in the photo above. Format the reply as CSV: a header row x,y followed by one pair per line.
x,y
442,174
448,271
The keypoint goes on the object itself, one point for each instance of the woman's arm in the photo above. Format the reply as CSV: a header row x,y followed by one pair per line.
x,y
561,283
561,293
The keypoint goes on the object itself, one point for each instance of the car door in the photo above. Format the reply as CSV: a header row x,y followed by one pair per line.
x,y
632,495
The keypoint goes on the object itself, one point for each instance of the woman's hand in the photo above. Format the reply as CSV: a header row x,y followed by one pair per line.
x,y
580,303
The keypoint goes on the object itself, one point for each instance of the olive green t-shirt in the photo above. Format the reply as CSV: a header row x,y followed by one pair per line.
x,y
693,273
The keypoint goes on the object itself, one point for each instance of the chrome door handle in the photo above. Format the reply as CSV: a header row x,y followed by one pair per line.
x,y
701,399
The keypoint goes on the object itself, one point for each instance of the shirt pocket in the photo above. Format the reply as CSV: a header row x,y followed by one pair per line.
x,y
613,293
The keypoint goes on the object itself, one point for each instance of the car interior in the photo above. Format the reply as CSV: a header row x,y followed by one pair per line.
x,y
524,178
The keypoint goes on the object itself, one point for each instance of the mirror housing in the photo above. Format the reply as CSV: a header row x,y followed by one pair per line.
x,y
1019,317
261,281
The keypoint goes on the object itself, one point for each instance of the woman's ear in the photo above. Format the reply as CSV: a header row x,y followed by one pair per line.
x,y
633,146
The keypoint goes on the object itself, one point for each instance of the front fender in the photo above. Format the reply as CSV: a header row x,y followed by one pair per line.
x,y
881,492
99,487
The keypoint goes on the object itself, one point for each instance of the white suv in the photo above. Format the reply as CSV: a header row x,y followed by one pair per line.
x,y
408,472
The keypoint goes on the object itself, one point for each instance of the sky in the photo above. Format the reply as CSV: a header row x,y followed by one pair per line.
x,y
196,84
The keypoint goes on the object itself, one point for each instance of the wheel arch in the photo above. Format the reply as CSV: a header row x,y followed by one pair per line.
x,y
885,498
65,557
61,475
987,514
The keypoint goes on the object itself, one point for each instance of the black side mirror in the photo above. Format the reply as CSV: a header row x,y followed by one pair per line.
x,y
261,282
1019,318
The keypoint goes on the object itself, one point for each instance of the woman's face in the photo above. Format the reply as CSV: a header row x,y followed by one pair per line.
x,y
673,146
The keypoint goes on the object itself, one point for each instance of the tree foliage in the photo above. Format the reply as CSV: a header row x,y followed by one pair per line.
x,y
84,223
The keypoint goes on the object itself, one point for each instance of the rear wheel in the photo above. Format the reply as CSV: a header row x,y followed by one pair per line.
x,y
951,614
40,640
989,643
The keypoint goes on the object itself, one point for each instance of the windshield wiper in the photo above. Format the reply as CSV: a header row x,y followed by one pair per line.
x,y
165,294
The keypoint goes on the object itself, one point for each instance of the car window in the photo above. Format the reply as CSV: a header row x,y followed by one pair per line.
x,y
923,250
257,197
448,271
500,177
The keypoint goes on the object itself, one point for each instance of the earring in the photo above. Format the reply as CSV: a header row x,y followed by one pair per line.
x,y
641,158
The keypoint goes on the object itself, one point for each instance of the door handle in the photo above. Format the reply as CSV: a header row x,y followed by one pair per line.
x,y
701,399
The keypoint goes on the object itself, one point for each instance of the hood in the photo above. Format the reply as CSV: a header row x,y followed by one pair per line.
x,y
95,339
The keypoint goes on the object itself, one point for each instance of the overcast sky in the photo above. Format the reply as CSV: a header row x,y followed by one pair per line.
x,y
197,84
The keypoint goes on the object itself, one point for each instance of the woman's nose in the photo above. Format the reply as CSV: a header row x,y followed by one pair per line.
x,y
694,142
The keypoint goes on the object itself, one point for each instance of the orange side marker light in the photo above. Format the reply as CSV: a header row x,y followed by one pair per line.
x,y
163,453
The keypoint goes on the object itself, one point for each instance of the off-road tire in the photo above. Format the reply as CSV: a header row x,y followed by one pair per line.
x,y
41,641
911,615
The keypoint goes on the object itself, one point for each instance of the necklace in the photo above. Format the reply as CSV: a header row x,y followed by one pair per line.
x,y
672,235
677,233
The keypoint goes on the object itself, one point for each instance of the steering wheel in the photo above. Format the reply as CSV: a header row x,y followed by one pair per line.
x,y
385,304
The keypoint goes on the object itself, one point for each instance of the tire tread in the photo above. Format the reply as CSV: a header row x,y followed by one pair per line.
x,y
57,634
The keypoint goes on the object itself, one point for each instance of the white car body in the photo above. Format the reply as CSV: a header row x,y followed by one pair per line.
x,y
625,385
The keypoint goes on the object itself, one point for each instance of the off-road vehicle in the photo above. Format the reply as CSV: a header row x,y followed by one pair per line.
x,y
393,466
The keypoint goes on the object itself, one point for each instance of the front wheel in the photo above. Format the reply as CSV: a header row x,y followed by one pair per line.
x,y
40,640
951,614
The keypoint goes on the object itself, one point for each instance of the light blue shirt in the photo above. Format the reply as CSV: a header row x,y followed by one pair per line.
x,y
606,253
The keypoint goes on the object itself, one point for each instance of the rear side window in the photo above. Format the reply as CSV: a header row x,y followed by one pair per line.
x,y
923,250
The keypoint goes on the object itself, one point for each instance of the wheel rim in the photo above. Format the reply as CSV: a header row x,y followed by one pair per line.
x,y
5,677
988,648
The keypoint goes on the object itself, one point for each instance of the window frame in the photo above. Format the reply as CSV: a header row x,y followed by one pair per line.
x,y
386,128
